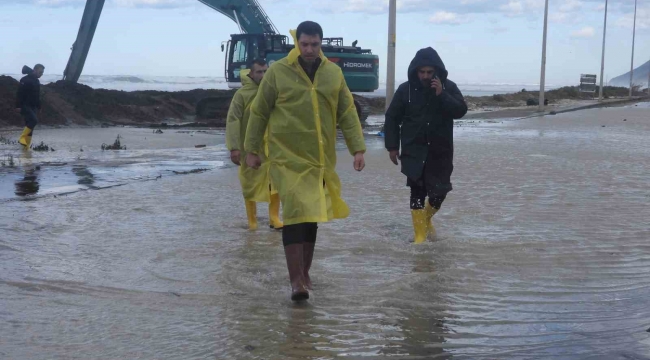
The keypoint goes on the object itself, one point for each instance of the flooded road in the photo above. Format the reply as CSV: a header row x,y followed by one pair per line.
x,y
543,251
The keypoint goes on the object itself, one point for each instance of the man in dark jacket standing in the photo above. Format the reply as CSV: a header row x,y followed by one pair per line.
x,y
421,118
28,101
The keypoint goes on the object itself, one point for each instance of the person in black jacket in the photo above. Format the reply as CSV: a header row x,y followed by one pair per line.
x,y
28,101
420,118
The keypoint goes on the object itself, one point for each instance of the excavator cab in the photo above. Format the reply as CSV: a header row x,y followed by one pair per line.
x,y
360,67
242,49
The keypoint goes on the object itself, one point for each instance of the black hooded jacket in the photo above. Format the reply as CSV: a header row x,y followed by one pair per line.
x,y
421,121
29,91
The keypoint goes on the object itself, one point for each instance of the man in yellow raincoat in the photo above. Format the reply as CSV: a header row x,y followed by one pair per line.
x,y
301,100
255,183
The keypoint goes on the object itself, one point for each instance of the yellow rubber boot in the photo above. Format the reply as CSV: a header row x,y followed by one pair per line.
x,y
274,212
419,225
26,137
251,213
431,230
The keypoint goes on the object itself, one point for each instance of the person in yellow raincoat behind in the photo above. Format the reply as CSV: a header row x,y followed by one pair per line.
x,y
301,100
255,183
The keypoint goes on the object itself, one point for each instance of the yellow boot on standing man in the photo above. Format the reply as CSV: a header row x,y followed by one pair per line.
x,y
256,185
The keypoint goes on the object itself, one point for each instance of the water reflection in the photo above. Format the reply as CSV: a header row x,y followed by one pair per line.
x,y
421,322
305,337
28,185
85,176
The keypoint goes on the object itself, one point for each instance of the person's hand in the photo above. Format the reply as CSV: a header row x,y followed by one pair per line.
x,y
253,161
394,155
235,157
359,162
437,85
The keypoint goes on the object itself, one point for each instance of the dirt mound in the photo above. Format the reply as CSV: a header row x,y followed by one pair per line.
x,y
553,96
8,114
520,98
66,103
377,105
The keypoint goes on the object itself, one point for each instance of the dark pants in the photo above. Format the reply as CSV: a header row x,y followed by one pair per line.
x,y
418,197
435,182
31,119
299,233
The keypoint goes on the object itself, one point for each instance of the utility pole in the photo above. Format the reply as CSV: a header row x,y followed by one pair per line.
x,y
390,60
632,61
543,76
602,60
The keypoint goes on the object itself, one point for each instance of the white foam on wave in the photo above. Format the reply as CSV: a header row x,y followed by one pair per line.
x,y
184,83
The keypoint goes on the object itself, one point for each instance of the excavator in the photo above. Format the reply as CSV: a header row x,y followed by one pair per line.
x,y
258,38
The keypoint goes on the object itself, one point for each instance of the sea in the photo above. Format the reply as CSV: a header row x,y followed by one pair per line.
x,y
184,83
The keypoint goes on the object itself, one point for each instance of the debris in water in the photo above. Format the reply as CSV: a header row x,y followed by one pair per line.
x,y
199,146
249,347
177,294
158,131
41,147
553,113
195,171
117,145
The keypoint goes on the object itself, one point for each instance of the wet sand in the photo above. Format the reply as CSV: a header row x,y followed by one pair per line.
x,y
542,252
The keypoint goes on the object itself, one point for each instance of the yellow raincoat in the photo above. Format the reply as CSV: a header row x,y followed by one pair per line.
x,y
254,183
301,118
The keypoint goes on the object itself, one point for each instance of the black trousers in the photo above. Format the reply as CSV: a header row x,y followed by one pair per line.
x,y
299,233
29,114
435,182
419,195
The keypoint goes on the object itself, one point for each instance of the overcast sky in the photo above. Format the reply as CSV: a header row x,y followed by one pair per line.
x,y
480,41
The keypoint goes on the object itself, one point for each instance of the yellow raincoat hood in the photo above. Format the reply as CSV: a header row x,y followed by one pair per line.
x,y
302,118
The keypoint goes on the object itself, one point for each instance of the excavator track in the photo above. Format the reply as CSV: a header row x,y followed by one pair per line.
x,y
363,108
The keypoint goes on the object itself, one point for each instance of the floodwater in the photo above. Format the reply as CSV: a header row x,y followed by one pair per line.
x,y
543,251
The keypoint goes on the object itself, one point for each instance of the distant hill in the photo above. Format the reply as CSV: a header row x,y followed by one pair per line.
x,y
640,77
